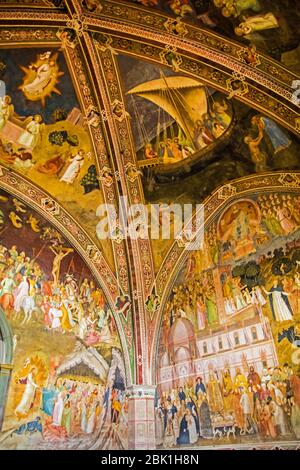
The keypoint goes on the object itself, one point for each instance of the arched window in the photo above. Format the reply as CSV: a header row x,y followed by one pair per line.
x,y
236,339
204,347
220,343
254,333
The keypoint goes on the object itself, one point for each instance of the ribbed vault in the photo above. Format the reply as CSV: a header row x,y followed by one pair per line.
x,y
199,53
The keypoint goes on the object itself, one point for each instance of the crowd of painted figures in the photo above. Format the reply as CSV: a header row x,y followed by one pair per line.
x,y
27,295
207,130
71,406
78,407
195,301
65,166
265,405
281,215
254,401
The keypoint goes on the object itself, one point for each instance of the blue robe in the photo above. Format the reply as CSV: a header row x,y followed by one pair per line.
x,y
200,388
184,434
48,401
278,138
106,397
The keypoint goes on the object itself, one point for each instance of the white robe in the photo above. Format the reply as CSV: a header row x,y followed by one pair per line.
x,y
279,415
200,317
193,431
58,410
29,138
91,421
55,315
19,293
280,308
82,328
245,404
260,297
105,335
28,396
239,302
83,422
73,170
229,310
260,23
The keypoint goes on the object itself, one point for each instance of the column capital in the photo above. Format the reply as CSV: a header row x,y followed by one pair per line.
x,y
141,391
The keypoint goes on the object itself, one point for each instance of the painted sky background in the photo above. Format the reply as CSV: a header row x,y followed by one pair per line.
x,y
29,241
13,78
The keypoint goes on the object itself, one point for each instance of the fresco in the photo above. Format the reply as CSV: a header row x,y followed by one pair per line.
x,y
181,8
180,119
271,27
191,139
229,360
44,135
67,384
210,339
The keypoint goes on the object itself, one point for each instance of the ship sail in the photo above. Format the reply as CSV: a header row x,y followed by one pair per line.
x,y
183,98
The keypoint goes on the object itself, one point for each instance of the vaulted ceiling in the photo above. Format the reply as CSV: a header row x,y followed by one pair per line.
x,y
109,49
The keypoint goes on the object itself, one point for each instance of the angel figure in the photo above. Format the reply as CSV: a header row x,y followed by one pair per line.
x,y
41,77
75,164
220,113
6,110
30,137
33,377
256,23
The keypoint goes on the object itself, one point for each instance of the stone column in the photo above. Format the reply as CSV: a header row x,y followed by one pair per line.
x,y
141,420
5,375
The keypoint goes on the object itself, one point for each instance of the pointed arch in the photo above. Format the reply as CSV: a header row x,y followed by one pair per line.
x,y
40,201
215,205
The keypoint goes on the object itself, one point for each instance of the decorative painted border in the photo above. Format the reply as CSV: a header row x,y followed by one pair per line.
x,y
73,54
144,33
220,59
213,75
45,4
158,21
56,215
255,184
140,251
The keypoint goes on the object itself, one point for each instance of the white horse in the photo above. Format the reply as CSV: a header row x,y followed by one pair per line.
x,y
28,306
